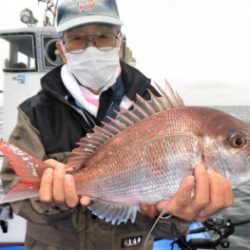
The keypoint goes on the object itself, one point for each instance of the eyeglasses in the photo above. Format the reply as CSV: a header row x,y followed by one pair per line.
x,y
103,41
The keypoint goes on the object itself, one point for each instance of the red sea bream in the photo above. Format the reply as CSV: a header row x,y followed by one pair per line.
x,y
143,155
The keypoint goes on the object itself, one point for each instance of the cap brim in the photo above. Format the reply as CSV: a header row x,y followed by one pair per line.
x,y
71,23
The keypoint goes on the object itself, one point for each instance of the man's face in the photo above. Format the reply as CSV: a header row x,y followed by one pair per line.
x,y
101,36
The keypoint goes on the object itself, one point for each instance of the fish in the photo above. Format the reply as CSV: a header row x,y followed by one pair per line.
x,y
142,155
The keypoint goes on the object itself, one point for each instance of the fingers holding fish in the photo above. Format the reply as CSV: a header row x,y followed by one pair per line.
x,y
217,193
85,201
212,193
201,197
179,205
57,187
71,196
45,191
229,198
182,198
220,193
148,210
46,185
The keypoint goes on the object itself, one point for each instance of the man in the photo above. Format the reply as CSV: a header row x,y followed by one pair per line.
x,y
92,84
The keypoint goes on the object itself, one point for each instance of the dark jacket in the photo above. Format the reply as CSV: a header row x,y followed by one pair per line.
x,y
48,127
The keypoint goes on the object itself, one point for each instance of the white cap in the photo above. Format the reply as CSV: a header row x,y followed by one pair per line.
x,y
73,13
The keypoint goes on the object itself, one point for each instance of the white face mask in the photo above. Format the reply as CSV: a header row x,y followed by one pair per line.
x,y
94,68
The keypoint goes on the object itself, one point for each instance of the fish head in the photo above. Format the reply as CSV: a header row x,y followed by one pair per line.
x,y
227,146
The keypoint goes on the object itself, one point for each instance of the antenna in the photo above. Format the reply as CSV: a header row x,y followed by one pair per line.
x,y
49,12
27,17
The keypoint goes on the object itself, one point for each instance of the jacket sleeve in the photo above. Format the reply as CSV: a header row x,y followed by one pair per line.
x,y
27,138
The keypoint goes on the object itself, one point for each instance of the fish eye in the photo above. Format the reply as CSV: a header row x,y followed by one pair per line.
x,y
237,140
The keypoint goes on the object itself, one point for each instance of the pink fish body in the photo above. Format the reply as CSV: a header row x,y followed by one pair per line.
x,y
143,155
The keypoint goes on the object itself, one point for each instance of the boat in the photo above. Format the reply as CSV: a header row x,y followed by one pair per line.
x,y
29,53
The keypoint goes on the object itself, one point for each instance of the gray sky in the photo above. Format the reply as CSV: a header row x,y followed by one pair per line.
x,y
201,46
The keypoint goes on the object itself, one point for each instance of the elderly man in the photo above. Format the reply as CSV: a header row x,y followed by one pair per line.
x,y
93,83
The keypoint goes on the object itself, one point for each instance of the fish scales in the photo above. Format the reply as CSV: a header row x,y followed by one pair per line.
x,y
142,156
135,163
141,167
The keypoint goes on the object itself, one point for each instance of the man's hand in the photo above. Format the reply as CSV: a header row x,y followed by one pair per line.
x,y
58,187
212,193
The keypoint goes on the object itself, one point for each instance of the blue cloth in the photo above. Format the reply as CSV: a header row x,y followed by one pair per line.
x,y
117,98
12,248
165,245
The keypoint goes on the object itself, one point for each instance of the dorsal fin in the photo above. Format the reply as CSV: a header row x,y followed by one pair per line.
x,y
142,110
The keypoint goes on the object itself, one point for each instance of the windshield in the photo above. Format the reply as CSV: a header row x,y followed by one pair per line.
x,y
18,52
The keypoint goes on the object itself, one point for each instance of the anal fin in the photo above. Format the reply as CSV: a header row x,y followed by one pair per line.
x,y
114,213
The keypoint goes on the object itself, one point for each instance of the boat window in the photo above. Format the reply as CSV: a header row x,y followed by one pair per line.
x,y
52,57
18,52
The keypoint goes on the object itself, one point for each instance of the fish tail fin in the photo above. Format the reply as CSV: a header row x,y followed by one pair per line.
x,y
21,191
27,167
